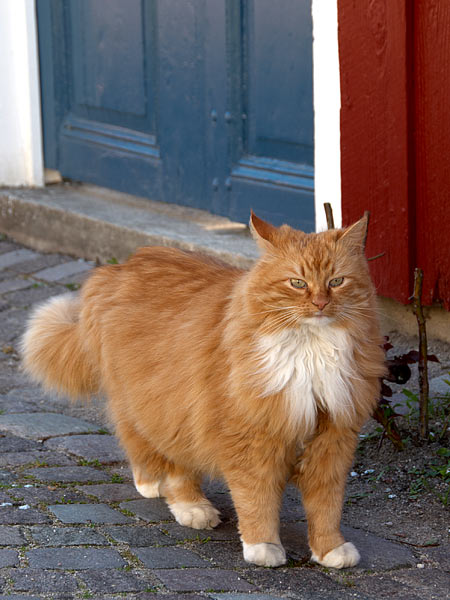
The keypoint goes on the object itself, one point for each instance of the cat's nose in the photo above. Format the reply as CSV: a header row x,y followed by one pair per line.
x,y
320,301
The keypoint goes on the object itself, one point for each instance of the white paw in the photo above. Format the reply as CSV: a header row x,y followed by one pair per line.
x,y
265,555
196,515
345,555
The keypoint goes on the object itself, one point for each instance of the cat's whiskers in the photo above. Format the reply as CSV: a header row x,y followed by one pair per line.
x,y
279,323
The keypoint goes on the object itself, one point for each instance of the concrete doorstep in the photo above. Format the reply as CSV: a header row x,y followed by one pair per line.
x,y
94,223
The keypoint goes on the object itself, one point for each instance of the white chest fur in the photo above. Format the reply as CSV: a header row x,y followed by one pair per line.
x,y
313,365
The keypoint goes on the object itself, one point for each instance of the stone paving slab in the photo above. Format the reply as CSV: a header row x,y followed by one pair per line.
x,y
31,393
15,459
19,406
226,555
176,558
229,596
6,476
223,532
430,582
139,536
111,492
66,536
439,555
385,587
44,425
63,270
149,509
11,536
43,261
202,580
307,584
38,580
102,448
18,597
16,256
10,515
74,558
36,495
88,513
113,581
68,474
35,294
11,285
8,558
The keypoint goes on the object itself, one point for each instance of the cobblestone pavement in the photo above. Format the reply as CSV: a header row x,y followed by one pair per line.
x,y
73,526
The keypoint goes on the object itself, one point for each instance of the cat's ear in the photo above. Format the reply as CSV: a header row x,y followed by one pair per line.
x,y
264,233
355,235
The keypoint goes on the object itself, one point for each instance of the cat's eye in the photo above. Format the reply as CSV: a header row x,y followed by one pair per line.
x,y
336,282
299,284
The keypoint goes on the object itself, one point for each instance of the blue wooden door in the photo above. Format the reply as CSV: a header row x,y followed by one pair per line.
x,y
206,103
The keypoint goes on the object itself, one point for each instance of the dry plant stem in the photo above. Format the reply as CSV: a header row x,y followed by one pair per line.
x,y
423,352
329,215
367,215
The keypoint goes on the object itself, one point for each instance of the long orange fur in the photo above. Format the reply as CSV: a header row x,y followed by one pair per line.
x,y
169,337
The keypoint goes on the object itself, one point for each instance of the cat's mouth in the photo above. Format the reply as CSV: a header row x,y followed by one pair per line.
x,y
319,319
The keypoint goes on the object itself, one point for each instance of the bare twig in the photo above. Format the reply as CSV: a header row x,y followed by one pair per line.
x,y
367,215
329,214
423,354
376,256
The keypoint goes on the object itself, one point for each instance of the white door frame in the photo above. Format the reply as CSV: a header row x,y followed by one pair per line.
x,y
21,162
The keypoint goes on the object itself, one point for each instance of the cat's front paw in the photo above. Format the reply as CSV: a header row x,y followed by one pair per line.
x,y
196,515
265,555
345,555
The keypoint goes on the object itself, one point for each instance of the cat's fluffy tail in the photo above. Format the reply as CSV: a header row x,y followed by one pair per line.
x,y
53,352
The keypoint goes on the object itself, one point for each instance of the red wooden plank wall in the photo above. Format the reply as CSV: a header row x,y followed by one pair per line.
x,y
432,121
395,138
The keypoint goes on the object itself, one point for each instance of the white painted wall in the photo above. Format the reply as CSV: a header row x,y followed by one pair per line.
x,y
327,108
21,162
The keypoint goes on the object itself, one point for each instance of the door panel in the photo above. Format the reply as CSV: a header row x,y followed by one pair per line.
x,y
104,81
271,163
277,70
181,26
108,62
206,103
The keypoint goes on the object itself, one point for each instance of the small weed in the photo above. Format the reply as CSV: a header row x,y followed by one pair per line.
x,y
435,473
103,432
115,478
65,500
112,261
73,287
89,463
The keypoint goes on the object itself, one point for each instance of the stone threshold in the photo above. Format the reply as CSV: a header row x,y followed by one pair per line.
x,y
100,224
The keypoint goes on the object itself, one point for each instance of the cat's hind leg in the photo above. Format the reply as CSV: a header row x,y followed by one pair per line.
x,y
148,466
155,476
145,485
186,500
321,476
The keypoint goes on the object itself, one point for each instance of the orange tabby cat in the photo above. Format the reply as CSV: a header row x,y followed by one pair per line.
x,y
256,376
